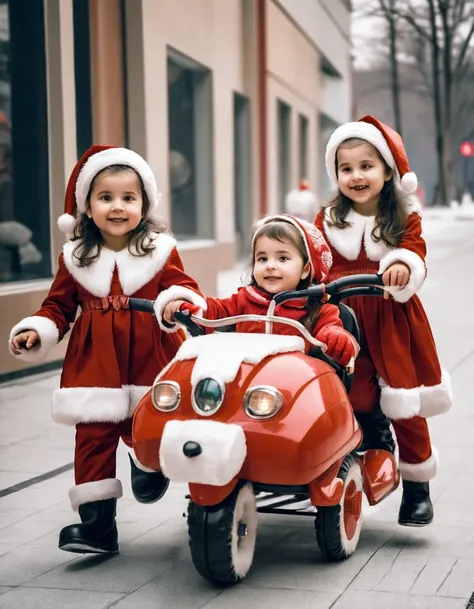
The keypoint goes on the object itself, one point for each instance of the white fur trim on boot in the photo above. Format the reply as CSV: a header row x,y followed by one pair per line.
x,y
420,472
72,405
417,273
399,403
176,292
48,334
437,399
110,488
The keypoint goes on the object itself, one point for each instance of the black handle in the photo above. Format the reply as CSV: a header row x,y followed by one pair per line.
x,y
185,320
316,292
141,304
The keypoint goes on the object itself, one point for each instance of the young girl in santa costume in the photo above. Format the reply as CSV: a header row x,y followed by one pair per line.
x,y
288,254
116,249
374,226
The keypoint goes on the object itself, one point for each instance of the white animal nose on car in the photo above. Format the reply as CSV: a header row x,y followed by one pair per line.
x,y
192,449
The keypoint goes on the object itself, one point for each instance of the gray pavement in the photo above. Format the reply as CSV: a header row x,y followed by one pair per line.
x,y
394,567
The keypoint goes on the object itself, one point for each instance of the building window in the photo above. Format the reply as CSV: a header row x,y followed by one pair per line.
x,y
284,152
82,75
190,147
242,175
24,182
303,126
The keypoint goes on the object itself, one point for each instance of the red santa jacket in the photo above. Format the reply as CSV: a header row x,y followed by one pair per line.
x,y
253,300
114,354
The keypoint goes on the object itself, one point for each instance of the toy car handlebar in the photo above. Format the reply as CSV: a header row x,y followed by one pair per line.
x,y
352,285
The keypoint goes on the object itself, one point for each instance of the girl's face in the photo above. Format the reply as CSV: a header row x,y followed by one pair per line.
x,y
115,205
278,266
361,175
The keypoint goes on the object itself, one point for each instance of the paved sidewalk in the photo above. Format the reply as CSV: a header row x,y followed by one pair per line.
x,y
394,567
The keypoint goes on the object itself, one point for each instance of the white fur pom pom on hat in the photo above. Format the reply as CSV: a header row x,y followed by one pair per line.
x,y
67,224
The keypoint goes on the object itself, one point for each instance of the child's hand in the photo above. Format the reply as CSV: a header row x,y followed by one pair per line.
x,y
397,274
24,340
178,305
341,346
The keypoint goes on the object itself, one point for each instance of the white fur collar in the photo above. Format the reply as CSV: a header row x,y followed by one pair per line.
x,y
134,271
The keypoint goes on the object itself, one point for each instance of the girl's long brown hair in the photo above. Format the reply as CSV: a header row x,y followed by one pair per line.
x,y
284,232
391,217
91,241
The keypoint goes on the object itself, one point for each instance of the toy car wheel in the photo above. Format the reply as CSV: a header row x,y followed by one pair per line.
x,y
222,537
338,527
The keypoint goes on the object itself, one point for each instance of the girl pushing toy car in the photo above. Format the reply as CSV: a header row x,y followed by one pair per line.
x,y
116,248
373,225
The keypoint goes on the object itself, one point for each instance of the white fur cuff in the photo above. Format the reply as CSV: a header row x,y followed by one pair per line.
x,y
176,292
417,273
420,472
437,399
48,334
72,405
137,392
399,403
110,488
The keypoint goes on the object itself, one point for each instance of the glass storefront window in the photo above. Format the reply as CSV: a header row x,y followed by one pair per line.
x,y
190,147
24,192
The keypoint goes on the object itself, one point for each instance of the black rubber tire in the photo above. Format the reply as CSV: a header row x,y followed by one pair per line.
x,y
329,531
210,531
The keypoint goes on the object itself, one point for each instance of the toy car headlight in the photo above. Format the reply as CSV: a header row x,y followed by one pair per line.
x,y
207,397
262,402
166,396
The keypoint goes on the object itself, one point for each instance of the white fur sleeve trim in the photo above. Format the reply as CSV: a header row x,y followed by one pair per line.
x,y
176,292
417,273
420,472
48,333
110,488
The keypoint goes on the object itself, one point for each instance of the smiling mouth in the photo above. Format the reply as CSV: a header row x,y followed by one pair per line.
x,y
117,220
359,188
272,278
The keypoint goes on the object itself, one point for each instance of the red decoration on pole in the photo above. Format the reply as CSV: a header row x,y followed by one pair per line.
x,y
467,149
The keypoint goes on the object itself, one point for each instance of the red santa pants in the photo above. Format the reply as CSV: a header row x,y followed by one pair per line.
x,y
96,446
413,436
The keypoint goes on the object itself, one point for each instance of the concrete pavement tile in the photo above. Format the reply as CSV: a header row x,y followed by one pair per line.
x,y
36,495
131,568
54,436
4,589
376,569
28,561
304,570
32,598
460,581
403,573
238,598
7,547
433,575
25,531
9,517
10,478
37,459
355,599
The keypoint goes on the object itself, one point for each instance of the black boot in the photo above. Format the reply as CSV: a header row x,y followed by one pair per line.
x,y
147,487
416,509
96,534
376,431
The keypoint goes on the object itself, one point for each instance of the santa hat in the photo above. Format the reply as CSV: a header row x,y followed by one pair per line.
x,y
387,141
89,165
317,250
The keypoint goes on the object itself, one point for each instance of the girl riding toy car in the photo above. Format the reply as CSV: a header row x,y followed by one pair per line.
x,y
253,424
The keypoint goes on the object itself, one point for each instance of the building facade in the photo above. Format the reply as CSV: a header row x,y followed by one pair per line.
x,y
231,102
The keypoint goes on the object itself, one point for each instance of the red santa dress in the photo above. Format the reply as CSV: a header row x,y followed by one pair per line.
x,y
398,363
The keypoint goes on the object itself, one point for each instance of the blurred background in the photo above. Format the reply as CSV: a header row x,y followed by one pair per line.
x,y
230,101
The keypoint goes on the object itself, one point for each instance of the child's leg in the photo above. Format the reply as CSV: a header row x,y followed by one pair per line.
x,y
96,492
365,400
418,463
147,485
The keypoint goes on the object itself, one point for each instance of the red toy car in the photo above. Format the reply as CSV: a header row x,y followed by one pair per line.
x,y
253,424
